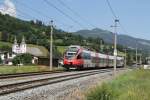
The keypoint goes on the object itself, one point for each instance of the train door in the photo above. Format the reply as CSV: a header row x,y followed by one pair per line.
x,y
97,61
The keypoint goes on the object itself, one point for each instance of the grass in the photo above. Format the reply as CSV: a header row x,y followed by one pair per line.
x,y
24,69
134,85
5,44
44,51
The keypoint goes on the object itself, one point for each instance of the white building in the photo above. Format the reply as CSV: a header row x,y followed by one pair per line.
x,y
16,49
19,49
37,52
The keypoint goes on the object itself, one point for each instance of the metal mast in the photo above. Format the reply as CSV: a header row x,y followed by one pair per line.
x,y
51,45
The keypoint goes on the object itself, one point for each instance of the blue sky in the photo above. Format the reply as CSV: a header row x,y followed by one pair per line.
x,y
133,14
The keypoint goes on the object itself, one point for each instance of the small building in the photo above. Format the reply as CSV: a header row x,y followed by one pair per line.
x,y
39,54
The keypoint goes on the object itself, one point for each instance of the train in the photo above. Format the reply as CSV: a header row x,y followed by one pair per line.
x,y
77,57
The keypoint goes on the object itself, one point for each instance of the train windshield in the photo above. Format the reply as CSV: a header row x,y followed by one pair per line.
x,y
71,52
73,49
70,55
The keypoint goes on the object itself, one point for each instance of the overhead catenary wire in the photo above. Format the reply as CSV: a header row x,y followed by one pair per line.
x,y
111,9
33,9
75,13
115,16
22,14
39,12
63,13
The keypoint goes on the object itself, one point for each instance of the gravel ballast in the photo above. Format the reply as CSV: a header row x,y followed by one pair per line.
x,y
67,90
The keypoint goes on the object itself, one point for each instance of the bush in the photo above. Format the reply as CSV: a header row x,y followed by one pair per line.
x,y
134,85
103,92
25,59
16,60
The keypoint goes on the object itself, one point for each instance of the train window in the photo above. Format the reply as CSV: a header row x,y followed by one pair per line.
x,y
101,60
118,62
111,61
105,60
71,54
86,55
73,49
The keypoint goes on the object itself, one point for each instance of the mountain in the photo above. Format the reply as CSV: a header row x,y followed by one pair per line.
x,y
124,40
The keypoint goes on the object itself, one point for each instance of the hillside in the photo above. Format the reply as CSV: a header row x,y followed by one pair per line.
x,y
36,50
124,40
37,33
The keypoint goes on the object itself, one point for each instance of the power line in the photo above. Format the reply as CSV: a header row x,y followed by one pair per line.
x,y
115,16
23,13
75,13
35,10
122,27
39,12
111,9
26,14
63,13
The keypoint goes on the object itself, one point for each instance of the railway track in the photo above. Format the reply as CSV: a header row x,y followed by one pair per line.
x,y
19,86
4,76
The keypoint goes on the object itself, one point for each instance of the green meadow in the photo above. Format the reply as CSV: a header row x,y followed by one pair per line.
x,y
133,85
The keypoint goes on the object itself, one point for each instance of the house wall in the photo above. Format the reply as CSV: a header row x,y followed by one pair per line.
x,y
45,61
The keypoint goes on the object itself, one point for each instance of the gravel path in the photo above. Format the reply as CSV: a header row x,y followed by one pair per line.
x,y
68,90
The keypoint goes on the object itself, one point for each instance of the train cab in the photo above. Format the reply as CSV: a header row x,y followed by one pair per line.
x,y
72,57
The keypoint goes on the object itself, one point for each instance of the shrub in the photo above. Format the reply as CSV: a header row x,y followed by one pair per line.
x,y
25,59
16,60
103,92
133,85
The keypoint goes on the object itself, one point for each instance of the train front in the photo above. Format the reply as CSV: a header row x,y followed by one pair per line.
x,y
72,58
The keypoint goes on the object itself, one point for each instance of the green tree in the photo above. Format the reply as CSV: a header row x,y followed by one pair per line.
x,y
5,48
25,59
16,60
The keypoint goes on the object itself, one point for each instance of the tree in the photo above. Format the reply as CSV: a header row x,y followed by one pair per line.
x,y
16,60
25,59
5,48
4,36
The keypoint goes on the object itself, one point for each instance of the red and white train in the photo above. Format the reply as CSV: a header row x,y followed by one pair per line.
x,y
77,57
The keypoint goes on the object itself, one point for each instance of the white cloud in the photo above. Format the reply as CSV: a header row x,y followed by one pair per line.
x,y
8,8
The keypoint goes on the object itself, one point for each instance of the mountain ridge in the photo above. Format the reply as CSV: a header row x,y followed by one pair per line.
x,y
108,37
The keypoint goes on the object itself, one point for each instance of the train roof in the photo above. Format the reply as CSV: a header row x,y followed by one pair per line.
x,y
96,54
102,55
77,46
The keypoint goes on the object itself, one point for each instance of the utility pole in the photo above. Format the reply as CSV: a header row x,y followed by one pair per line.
x,y
136,55
115,45
100,45
141,59
51,46
125,62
